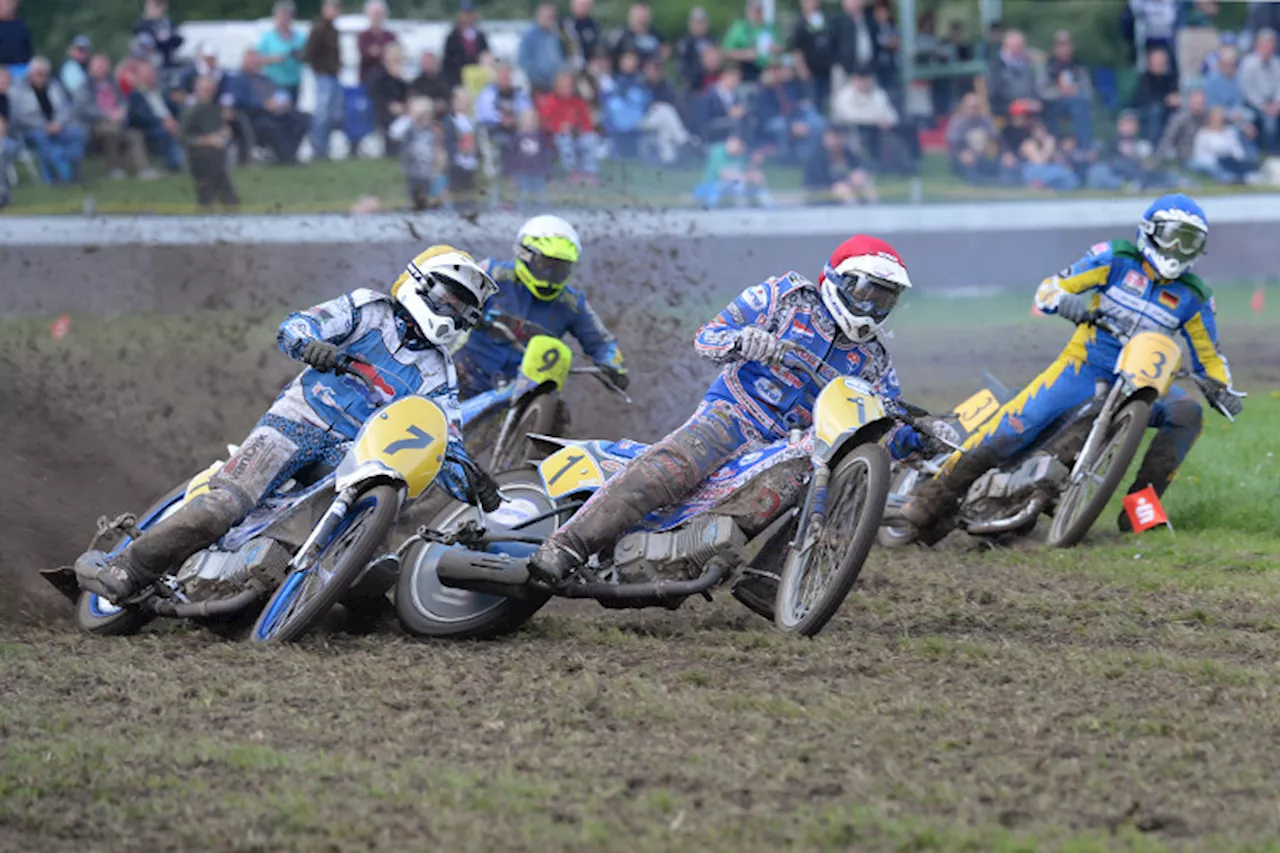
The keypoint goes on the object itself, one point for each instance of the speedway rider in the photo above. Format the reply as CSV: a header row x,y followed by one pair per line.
x,y
534,298
835,326
400,342
1143,287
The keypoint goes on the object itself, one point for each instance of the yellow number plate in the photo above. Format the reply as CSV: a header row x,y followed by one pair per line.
x,y
844,406
973,412
547,360
1150,360
569,470
409,436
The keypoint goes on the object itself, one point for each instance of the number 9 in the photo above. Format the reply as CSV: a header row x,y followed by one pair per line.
x,y
550,359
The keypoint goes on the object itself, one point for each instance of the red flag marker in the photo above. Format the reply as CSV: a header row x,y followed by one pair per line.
x,y
1145,511
58,328
1259,301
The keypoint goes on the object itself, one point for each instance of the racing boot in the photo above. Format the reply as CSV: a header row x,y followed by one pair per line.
x,y
1180,427
168,543
937,498
554,563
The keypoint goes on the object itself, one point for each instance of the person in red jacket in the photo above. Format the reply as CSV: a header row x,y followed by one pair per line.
x,y
566,116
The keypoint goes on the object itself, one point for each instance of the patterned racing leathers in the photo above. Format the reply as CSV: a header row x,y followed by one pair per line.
x,y
489,357
1126,292
310,421
748,407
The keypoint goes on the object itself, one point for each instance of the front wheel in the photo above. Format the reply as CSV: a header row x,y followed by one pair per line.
x,y
1086,496
540,416
307,594
816,581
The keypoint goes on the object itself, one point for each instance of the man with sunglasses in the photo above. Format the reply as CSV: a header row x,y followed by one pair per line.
x,y
835,326
398,343
1142,287
534,297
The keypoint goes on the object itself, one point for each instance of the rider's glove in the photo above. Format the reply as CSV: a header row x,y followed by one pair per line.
x,y
1074,307
321,355
1226,398
616,376
484,490
755,344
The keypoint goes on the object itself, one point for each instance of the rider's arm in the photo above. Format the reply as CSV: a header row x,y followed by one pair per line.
x,y
1201,332
331,321
716,339
596,339
904,440
1088,273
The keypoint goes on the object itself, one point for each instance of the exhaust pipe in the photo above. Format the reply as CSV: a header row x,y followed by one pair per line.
x,y
197,609
1034,507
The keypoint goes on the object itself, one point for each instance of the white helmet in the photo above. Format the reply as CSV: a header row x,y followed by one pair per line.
x,y
860,285
443,290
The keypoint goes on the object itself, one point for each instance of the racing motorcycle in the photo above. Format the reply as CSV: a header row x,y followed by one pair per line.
x,y
466,575
307,546
532,403
1071,471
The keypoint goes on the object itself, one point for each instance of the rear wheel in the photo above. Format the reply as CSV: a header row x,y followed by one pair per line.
x,y
428,608
1086,496
539,416
815,583
308,593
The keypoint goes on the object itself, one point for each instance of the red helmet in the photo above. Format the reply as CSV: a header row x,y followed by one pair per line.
x,y
860,285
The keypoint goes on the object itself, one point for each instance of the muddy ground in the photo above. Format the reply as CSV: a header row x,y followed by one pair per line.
x,y
958,699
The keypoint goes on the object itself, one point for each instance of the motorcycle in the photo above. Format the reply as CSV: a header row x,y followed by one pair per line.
x,y
531,402
466,576
1071,471
278,552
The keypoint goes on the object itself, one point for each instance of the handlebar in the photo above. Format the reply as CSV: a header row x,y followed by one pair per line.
x,y
346,363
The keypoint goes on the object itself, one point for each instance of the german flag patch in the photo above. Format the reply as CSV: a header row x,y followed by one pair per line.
x,y
1169,299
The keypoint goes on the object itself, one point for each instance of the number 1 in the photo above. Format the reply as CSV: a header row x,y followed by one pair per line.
x,y
574,459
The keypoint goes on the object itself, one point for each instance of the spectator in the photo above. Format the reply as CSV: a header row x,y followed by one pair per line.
x,y
528,160
15,36
722,109
156,117
373,41
421,155
102,111
42,114
139,55
430,83
323,54
585,37
206,133
1042,165
205,64
499,105
10,146
973,143
865,107
1219,153
690,48
786,114
1179,139
389,92
626,106
1013,76
75,69
1149,25
1260,83
281,50
1128,160
155,30
1222,86
835,171
1262,15
565,115
464,45
712,65
542,51
813,45
751,42
853,38
267,109
886,51
1068,94
729,171
638,37
1157,95
462,150
664,131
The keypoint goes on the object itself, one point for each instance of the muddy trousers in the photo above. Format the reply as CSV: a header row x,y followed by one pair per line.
x,y
659,477
276,450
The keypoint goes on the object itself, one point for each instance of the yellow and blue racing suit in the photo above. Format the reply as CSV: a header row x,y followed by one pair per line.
x,y
489,357
1126,291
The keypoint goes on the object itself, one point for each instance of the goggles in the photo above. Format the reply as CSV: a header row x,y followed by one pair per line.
x,y
865,295
450,299
1179,240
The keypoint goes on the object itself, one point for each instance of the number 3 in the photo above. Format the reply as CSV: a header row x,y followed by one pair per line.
x,y
1159,366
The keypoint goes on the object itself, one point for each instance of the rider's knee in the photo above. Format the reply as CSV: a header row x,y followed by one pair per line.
x,y
216,511
1185,414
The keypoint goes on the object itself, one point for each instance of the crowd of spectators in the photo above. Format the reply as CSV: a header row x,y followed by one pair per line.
x,y
825,97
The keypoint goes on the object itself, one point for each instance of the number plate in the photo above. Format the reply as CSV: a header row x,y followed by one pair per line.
x,y
569,470
975,411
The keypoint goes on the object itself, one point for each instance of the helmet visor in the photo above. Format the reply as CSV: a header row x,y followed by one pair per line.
x,y
865,295
550,271
450,299
1179,240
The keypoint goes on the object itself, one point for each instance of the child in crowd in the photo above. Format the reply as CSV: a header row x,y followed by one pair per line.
x,y
421,156
729,170
528,160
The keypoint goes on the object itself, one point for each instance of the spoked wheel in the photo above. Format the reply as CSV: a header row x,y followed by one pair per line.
x,y
308,593
905,482
816,581
428,608
539,416
1086,496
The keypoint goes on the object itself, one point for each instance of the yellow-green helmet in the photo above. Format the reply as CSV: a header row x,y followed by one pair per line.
x,y
547,249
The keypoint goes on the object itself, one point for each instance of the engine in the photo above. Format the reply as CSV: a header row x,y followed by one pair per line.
x,y
1000,492
678,554
218,574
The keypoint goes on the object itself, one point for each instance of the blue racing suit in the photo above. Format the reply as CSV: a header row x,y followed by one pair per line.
x,y
1127,292
489,358
749,406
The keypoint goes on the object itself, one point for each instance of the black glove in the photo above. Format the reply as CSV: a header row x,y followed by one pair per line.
x,y
321,355
1226,399
1074,307
616,376
484,490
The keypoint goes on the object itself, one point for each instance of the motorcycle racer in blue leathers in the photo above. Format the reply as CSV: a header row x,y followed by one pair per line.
x,y
533,298
834,326
1142,287
399,342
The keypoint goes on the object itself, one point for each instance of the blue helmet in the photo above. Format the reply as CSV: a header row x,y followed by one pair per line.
x,y
1172,234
